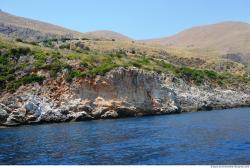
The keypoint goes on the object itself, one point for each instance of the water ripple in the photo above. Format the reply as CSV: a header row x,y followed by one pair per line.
x,y
215,137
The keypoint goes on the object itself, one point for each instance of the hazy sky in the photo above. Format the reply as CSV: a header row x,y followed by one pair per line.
x,y
139,19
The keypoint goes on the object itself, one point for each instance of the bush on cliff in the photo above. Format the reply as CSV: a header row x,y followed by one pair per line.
x,y
92,63
14,84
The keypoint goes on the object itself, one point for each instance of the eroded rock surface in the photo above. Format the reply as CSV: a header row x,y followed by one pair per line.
x,y
120,93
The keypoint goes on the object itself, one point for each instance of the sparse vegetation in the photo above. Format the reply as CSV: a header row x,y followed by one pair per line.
x,y
73,74
65,46
19,40
92,63
14,84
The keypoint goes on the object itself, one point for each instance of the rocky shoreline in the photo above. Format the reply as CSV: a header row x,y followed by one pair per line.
x,y
120,93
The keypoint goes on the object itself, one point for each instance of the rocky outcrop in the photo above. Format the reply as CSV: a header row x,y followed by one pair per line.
x,y
3,115
120,93
129,90
32,30
26,33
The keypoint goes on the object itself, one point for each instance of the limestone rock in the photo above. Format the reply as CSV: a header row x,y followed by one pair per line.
x,y
15,119
82,116
33,106
5,108
99,111
86,108
109,114
3,115
127,112
53,116
120,93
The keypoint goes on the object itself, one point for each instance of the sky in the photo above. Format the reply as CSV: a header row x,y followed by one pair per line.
x,y
139,19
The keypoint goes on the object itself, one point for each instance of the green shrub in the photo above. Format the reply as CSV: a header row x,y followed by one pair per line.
x,y
19,40
143,61
65,46
167,66
19,51
133,51
48,43
119,54
211,74
15,84
135,64
102,69
40,58
55,67
191,74
56,55
64,39
33,43
73,74
85,39
32,79
3,60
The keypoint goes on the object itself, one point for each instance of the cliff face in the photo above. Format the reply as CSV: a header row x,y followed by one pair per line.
x,y
120,93
133,88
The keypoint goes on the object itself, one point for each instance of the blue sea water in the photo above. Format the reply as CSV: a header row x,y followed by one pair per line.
x,y
214,137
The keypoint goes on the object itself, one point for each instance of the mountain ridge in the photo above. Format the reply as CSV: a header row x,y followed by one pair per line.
x,y
21,27
10,24
184,39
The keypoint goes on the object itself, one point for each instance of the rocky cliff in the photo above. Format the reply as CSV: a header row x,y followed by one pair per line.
x,y
122,92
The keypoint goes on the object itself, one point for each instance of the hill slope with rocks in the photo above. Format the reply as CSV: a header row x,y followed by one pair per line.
x,y
78,79
43,84
33,30
106,34
232,38
29,29
224,37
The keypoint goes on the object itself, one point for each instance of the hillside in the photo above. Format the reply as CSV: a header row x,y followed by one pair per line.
x,y
224,37
29,29
62,81
33,30
48,76
106,34
107,42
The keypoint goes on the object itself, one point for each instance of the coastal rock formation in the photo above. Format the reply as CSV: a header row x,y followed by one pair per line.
x,y
120,93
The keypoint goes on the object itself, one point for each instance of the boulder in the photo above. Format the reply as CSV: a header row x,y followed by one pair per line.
x,y
64,111
15,119
31,119
3,115
36,108
99,111
53,116
86,108
109,114
82,116
7,109
126,111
